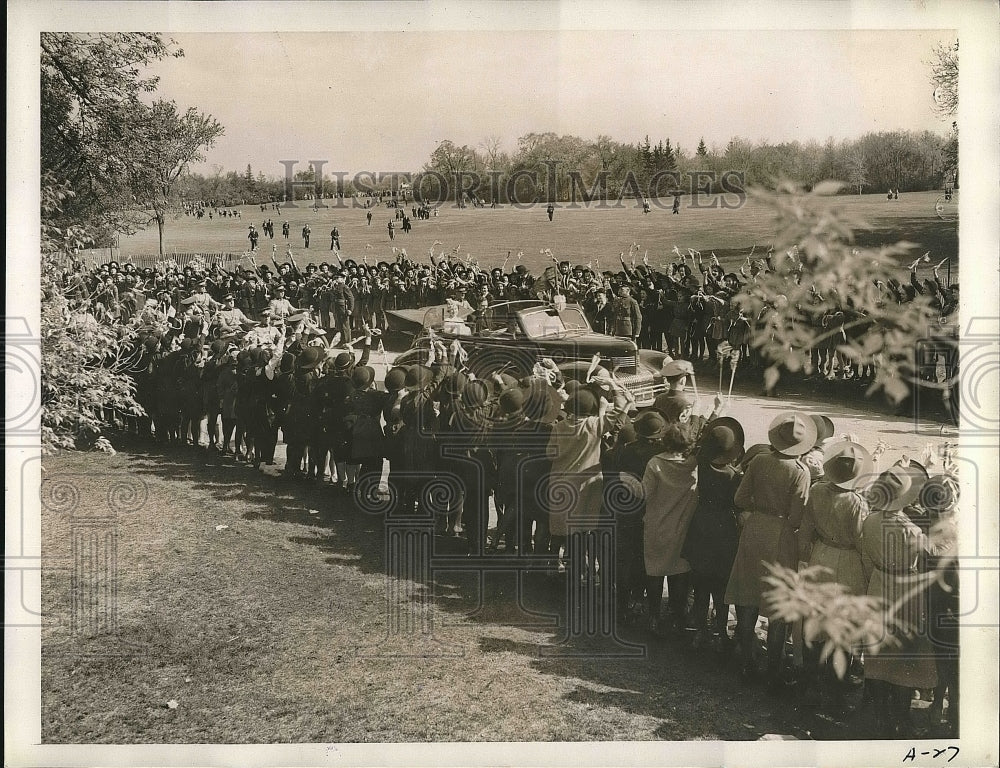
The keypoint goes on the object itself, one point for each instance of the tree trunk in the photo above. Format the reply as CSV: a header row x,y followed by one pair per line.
x,y
159,225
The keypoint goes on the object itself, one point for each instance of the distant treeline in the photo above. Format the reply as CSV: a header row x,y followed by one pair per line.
x,y
547,166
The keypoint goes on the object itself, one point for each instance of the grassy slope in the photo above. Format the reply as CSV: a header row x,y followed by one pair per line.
x,y
579,235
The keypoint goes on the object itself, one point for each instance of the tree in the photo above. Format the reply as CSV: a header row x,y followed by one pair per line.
x,y
451,160
494,155
84,362
944,78
702,150
856,170
172,141
820,271
90,87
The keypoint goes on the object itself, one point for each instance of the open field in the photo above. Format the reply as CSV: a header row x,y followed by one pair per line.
x,y
581,235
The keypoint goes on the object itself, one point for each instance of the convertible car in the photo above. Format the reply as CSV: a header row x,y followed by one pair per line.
x,y
510,337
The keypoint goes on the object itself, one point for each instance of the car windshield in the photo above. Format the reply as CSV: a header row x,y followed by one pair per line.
x,y
543,323
574,319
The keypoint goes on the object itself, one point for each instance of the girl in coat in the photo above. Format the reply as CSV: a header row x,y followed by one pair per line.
x,y
772,497
830,534
670,486
893,549
713,534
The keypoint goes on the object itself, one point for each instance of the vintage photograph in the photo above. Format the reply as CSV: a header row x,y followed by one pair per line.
x,y
589,384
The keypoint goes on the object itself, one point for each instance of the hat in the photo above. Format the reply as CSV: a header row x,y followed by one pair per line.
x,y
847,465
395,379
227,297
721,444
792,434
287,362
650,425
343,361
418,377
309,359
939,494
895,488
475,394
582,403
542,402
673,368
455,383
218,346
262,356
362,377
512,401
824,427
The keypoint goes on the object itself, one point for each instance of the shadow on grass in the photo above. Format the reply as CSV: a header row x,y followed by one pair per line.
x,y
695,694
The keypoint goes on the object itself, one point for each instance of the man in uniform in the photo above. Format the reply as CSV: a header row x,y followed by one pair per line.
x,y
342,303
202,298
280,307
229,320
627,315
306,231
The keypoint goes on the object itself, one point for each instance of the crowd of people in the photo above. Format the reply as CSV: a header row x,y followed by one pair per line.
x,y
686,309
230,359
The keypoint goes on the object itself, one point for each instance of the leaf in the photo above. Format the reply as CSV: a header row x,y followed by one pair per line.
x,y
828,187
771,376
840,663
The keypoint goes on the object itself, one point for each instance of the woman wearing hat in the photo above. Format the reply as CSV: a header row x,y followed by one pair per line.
x,y
892,551
417,448
299,424
629,461
772,496
671,492
713,535
815,458
364,413
830,534
939,497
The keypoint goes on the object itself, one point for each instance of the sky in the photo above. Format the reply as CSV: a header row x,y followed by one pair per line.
x,y
383,101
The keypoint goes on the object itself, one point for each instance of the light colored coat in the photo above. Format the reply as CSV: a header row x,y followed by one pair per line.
x,y
671,489
892,548
830,534
576,485
774,490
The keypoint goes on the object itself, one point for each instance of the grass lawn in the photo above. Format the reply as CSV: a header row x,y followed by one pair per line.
x,y
580,235
273,629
